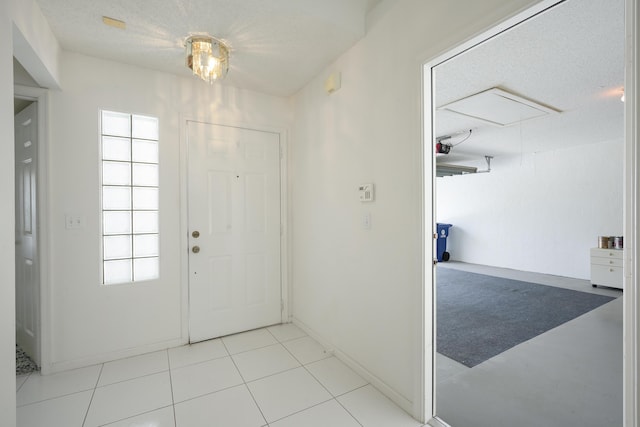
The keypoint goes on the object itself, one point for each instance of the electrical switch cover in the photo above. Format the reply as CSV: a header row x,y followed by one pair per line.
x,y
366,221
74,221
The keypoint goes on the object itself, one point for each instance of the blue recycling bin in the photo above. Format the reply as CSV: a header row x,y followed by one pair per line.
x,y
441,244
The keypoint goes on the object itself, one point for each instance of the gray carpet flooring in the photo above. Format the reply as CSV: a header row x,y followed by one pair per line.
x,y
479,317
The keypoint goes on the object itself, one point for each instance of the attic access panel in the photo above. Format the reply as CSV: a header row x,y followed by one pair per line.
x,y
498,107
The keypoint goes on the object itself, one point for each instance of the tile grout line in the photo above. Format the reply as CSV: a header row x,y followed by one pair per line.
x,y
201,361
173,400
313,376
323,386
93,393
209,393
271,375
256,403
251,349
245,384
305,409
132,416
54,398
309,372
133,378
23,382
345,408
262,346
123,381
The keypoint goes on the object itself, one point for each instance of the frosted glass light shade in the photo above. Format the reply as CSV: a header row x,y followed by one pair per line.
x,y
207,57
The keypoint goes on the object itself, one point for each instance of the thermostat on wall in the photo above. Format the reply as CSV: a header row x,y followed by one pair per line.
x,y
366,192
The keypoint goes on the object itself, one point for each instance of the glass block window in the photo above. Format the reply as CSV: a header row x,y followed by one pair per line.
x,y
130,234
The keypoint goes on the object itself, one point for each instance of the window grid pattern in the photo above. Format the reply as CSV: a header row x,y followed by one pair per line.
x,y
130,196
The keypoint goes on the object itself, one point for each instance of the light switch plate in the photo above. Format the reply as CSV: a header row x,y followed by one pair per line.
x,y
366,221
74,221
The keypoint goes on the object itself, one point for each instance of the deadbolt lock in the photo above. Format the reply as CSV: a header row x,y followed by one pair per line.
x,y
195,234
195,249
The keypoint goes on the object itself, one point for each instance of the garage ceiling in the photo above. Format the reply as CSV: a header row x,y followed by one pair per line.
x,y
569,58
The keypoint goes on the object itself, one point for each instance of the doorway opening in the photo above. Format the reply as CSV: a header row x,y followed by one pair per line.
x,y
452,119
32,297
26,236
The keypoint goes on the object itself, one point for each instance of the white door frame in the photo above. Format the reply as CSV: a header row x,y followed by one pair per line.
x,y
184,214
41,97
631,295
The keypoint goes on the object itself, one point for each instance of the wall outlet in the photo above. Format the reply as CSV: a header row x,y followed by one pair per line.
x,y
74,221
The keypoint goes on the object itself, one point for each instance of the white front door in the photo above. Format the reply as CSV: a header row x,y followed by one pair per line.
x,y
234,229
27,277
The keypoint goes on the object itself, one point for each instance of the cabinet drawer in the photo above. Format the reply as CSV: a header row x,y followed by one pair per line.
x,y
606,276
611,262
606,253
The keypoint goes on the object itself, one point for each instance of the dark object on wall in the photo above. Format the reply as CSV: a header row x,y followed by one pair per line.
x,y
442,148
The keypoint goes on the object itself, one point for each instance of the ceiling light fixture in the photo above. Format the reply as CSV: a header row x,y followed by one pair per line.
x,y
112,22
207,57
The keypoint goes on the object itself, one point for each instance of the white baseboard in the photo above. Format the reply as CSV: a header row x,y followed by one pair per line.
x,y
108,357
436,422
385,389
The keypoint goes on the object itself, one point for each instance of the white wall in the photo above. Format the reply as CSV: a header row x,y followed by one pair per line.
x,y
33,41
21,77
92,322
7,232
34,44
538,212
357,289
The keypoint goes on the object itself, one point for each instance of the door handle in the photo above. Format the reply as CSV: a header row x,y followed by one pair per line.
x,y
195,249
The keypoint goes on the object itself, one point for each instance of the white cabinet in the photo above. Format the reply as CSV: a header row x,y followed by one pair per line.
x,y
606,267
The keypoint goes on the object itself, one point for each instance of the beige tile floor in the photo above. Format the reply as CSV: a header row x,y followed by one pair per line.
x,y
276,376
280,377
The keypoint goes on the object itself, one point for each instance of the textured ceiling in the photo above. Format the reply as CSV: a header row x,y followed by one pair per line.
x,y
570,58
277,46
